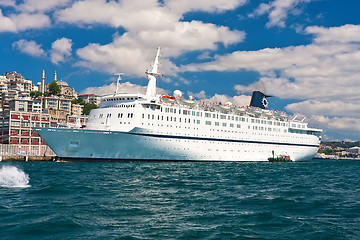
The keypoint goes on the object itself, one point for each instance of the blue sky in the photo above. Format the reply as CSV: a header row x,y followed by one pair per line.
x,y
304,52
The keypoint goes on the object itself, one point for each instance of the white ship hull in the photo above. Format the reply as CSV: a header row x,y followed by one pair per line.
x,y
95,145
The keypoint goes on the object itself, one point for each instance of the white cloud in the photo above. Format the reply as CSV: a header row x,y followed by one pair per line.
x,y
203,5
23,21
41,5
325,73
29,47
7,3
131,14
326,108
293,72
132,51
344,34
125,87
60,49
241,100
344,126
278,11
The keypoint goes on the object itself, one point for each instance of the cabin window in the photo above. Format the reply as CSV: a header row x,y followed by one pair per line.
x,y
216,123
143,115
207,122
224,124
238,125
222,117
198,121
231,125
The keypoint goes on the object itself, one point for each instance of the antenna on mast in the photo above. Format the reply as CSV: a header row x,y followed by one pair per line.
x,y
117,81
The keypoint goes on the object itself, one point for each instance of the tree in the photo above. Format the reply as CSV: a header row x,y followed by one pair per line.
x,y
35,94
54,89
88,107
78,101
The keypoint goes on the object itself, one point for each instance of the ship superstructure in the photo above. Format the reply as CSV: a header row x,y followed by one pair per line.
x,y
155,127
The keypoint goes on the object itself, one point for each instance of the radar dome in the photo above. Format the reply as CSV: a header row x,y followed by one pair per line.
x,y
177,93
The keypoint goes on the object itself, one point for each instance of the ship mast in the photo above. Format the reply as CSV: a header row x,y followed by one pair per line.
x,y
151,87
117,81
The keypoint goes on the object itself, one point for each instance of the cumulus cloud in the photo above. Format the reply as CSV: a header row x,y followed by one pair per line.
x,y
29,47
344,34
60,49
240,100
203,5
278,11
132,51
125,87
324,73
7,3
41,5
23,21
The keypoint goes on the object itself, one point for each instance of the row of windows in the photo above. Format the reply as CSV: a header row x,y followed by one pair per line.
x,y
120,99
120,115
122,106
224,117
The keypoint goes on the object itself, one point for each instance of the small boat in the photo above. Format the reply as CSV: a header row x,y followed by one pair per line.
x,y
240,110
280,158
187,102
168,99
225,107
254,111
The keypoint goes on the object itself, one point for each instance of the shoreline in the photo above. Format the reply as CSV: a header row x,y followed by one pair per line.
x,y
22,158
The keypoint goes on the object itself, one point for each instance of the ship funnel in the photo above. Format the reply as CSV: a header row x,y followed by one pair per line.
x,y
259,100
151,75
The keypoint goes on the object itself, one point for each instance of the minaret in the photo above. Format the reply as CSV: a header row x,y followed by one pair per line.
x,y
43,82
55,79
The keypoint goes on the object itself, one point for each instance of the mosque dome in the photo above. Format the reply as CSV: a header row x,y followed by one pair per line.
x,y
62,84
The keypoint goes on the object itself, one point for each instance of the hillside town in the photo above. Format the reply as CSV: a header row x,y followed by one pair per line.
x,y
24,105
340,150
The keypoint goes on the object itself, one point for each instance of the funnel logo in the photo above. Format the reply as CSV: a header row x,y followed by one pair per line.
x,y
264,102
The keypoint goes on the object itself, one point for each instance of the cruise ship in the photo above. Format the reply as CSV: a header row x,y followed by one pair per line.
x,y
154,127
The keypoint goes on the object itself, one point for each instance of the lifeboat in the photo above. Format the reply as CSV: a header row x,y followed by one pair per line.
x,y
279,114
240,110
226,107
267,113
187,102
168,99
254,110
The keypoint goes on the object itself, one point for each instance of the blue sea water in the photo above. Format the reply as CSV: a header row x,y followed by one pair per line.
x,y
188,200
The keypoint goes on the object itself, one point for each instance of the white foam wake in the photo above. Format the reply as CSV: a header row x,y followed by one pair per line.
x,y
11,176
